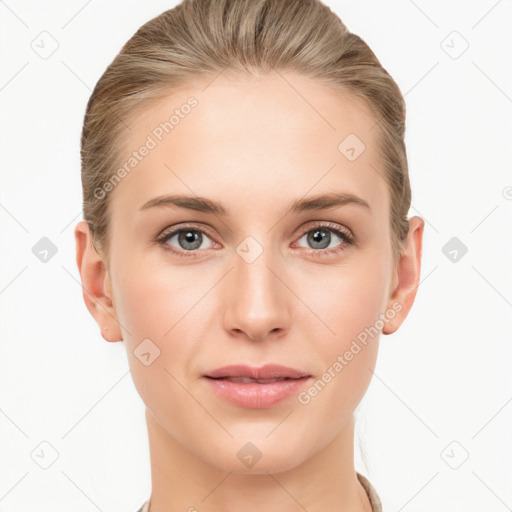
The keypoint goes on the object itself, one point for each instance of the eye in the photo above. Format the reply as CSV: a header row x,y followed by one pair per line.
x,y
320,238
188,240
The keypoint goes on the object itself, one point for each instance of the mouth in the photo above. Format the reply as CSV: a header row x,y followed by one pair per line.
x,y
267,373
247,380
256,388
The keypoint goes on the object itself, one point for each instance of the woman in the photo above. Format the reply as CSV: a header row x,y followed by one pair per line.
x,y
246,234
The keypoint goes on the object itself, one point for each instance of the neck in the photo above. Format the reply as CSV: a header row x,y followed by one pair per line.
x,y
181,481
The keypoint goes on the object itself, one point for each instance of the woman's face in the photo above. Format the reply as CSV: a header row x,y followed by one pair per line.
x,y
261,282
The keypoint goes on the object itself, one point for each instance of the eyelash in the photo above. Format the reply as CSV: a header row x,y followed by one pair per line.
x,y
347,238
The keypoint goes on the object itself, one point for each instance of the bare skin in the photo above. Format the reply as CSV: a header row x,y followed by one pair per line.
x,y
255,146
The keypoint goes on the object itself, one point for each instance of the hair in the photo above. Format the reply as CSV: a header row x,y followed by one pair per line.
x,y
201,38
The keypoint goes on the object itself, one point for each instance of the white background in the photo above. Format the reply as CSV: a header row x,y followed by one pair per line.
x,y
443,377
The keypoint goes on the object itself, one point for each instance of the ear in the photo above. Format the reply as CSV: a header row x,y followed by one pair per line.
x,y
96,285
406,276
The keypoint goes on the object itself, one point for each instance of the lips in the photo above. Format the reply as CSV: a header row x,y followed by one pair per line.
x,y
256,388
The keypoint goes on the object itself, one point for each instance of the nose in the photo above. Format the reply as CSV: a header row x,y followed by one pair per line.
x,y
258,299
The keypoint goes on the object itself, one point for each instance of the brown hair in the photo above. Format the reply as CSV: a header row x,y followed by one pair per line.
x,y
198,38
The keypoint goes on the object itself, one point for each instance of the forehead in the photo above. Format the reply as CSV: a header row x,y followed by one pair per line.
x,y
264,137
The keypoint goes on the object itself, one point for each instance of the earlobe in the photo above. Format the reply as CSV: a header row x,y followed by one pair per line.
x,y
407,276
96,286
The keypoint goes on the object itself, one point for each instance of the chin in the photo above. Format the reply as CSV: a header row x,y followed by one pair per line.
x,y
257,457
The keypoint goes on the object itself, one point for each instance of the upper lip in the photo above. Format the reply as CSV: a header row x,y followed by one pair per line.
x,y
268,371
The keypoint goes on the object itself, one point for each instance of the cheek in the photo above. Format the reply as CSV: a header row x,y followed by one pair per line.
x,y
346,333
154,304
346,301
151,299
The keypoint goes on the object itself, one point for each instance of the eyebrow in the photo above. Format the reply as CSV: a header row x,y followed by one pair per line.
x,y
202,204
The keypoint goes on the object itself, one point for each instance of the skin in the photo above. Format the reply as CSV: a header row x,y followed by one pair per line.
x,y
255,145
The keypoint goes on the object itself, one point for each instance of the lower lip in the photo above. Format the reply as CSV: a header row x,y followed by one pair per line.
x,y
254,395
